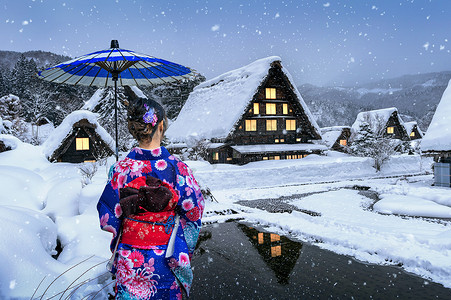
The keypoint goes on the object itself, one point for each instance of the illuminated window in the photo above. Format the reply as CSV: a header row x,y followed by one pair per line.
x,y
274,237
270,93
412,134
276,251
89,161
251,125
298,139
277,157
260,237
343,142
282,140
285,109
215,156
271,125
288,156
270,108
229,158
390,130
256,109
82,144
265,157
290,124
276,140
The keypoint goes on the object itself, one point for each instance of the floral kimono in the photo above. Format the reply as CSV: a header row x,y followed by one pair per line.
x,y
141,267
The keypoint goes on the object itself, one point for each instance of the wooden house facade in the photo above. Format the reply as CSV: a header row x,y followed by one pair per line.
x,y
336,137
436,142
267,120
79,139
383,122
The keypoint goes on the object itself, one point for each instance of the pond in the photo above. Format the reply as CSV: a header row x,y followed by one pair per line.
x,y
236,261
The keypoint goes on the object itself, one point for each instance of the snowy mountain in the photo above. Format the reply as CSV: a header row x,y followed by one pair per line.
x,y
415,96
42,58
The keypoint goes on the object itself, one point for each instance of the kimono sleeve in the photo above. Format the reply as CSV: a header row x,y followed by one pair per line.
x,y
110,211
190,205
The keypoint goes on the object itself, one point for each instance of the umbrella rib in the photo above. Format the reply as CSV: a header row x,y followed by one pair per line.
x,y
128,67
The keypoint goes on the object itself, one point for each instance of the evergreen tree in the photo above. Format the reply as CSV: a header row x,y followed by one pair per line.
x,y
103,103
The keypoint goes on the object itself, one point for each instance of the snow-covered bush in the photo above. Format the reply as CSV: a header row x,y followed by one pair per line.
x,y
365,143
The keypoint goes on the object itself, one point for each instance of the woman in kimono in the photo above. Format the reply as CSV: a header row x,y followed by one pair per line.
x,y
145,192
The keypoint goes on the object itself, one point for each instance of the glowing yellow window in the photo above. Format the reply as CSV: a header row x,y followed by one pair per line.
x,y
343,142
412,134
290,124
270,93
274,237
256,109
251,125
298,139
270,108
390,130
285,109
265,157
276,140
81,144
215,155
288,156
276,251
260,237
282,140
271,125
277,157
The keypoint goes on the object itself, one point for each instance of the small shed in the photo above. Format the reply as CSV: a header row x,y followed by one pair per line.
x,y
436,142
383,122
249,114
336,137
413,130
79,138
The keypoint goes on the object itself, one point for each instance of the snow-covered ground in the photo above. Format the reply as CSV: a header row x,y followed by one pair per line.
x,y
42,202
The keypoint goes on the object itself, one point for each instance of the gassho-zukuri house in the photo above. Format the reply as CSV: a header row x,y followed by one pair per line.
x,y
384,122
79,138
249,114
437,140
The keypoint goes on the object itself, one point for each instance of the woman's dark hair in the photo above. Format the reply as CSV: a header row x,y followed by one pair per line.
x,y
143,117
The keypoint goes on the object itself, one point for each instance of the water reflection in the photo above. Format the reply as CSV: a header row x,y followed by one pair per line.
x,y
235,261
278,252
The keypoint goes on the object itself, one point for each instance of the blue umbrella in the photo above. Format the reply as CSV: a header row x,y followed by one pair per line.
x,y
108,67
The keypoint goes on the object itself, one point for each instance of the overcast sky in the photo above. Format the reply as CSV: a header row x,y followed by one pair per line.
x,y
320,42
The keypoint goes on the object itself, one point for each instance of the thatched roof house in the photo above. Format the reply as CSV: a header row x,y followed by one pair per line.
x,y
79,138
437,140
336,137
383,122
413,131
248,114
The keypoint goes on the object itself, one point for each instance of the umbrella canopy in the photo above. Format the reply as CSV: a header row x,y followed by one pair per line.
x,y
102,68
116,66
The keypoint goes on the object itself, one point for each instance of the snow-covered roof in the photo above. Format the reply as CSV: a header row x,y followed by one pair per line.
x,y
94,100
438,135
330,137
55,139
214,106
271,148
375,118
410,125
334,128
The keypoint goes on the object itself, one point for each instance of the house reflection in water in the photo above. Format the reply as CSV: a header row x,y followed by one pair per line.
x,y
278,252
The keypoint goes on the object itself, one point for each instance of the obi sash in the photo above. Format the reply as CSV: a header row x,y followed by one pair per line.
x,y
148,229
